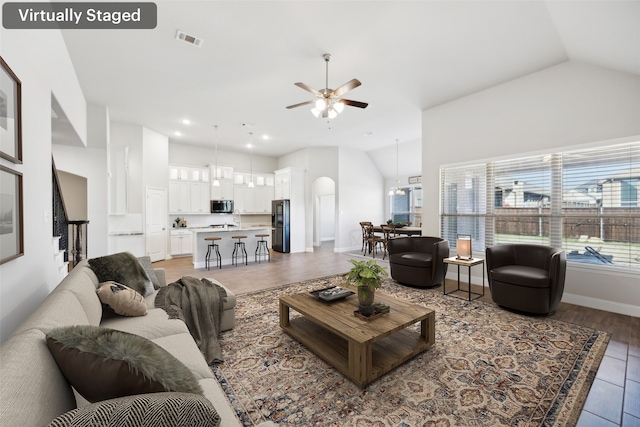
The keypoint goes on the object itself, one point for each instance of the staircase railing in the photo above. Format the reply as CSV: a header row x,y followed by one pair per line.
x,y
59,212
80,240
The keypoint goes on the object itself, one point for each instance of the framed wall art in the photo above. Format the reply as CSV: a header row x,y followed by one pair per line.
x,y
11,217
10,114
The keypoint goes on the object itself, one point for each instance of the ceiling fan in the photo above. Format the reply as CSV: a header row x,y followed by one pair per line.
x,y
329,102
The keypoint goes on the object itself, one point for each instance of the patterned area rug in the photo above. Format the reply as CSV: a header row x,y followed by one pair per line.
x,y
489,367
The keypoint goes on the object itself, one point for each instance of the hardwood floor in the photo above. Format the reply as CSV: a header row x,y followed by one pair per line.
x,y
614,399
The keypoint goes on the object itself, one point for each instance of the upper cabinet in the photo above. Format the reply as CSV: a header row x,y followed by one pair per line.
x,y
224,175
178,173
283,179
256,199
221,173
199,174
189,190
179,197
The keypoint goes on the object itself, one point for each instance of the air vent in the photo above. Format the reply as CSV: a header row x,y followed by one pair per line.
x,y
180,35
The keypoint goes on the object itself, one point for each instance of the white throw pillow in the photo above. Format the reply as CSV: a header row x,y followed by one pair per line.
x,y
122,299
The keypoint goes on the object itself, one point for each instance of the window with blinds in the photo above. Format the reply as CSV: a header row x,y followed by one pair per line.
x,y
600,209
585,201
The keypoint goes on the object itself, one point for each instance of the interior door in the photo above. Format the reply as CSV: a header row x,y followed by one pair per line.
x,y
156,223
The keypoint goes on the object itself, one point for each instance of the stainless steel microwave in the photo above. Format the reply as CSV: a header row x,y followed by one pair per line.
x,y
222,206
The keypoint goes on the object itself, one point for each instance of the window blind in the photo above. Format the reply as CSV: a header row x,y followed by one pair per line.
x,y
585,201
601,209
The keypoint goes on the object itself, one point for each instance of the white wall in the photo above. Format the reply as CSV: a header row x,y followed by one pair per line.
x,y
41,62
318,162
563,106
199,156
360,197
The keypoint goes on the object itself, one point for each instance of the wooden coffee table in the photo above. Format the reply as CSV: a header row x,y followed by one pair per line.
x,y
362,350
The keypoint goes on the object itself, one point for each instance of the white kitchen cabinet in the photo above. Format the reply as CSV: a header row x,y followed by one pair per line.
x,y
223,172
264,179
179,197
243,200
178,173
283,184
241,178
262,199
181,242
222,192
200,197
199,174
252,200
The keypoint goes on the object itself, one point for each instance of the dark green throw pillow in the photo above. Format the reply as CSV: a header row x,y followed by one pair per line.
x,y
123,268
102,363
145,261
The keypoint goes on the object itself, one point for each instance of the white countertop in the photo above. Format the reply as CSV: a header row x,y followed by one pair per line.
x,y
232,229
126,233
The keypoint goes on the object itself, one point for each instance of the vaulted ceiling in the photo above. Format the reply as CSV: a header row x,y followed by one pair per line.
x,y
409,56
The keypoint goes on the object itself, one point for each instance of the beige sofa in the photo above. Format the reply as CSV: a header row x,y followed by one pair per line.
x,y
34,392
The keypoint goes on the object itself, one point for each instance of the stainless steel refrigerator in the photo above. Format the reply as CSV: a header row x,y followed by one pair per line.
x,y
280,226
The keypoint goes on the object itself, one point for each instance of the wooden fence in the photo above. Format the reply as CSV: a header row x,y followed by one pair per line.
x,y
608,224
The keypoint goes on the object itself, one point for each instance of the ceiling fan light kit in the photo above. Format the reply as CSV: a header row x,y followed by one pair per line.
x,y
328,103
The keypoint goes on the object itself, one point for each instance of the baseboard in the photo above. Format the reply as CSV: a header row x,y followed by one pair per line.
x,y
348,249
600,304
581,300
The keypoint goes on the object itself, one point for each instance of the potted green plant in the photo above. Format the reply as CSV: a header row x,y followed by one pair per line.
x,y
367,277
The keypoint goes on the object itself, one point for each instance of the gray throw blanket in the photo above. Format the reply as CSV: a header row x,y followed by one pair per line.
x,y
198,303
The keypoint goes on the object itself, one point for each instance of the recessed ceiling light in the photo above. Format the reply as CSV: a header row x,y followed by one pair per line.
x,y
249,145
177,133
265,137
186,121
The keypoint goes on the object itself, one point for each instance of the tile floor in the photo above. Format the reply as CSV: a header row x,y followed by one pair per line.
x,y
614,399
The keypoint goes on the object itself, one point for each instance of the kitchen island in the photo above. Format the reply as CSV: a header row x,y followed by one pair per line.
x,y
226,242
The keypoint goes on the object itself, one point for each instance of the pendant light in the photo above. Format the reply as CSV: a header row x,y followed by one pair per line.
x,y
251,159
216,182
398,191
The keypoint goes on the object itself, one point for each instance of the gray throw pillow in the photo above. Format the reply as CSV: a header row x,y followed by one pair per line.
x,y
145,261
123,268
102,363
144,410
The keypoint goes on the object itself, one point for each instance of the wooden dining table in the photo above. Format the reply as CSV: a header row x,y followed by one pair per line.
x,y
409,231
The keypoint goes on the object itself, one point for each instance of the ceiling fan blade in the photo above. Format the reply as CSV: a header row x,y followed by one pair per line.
x,y
354,103
309,89
301,104
352,84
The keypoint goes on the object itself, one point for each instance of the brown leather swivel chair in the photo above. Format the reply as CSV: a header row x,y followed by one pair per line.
x,y
526,278
418,261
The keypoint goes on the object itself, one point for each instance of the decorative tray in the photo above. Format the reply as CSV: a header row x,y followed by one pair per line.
x,y
375,315
379,308
331,293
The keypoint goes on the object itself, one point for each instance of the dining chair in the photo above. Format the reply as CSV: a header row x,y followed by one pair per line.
x,y
388,232
373,241
365,235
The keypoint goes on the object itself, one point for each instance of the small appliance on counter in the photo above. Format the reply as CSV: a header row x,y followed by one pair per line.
x,y
179,223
